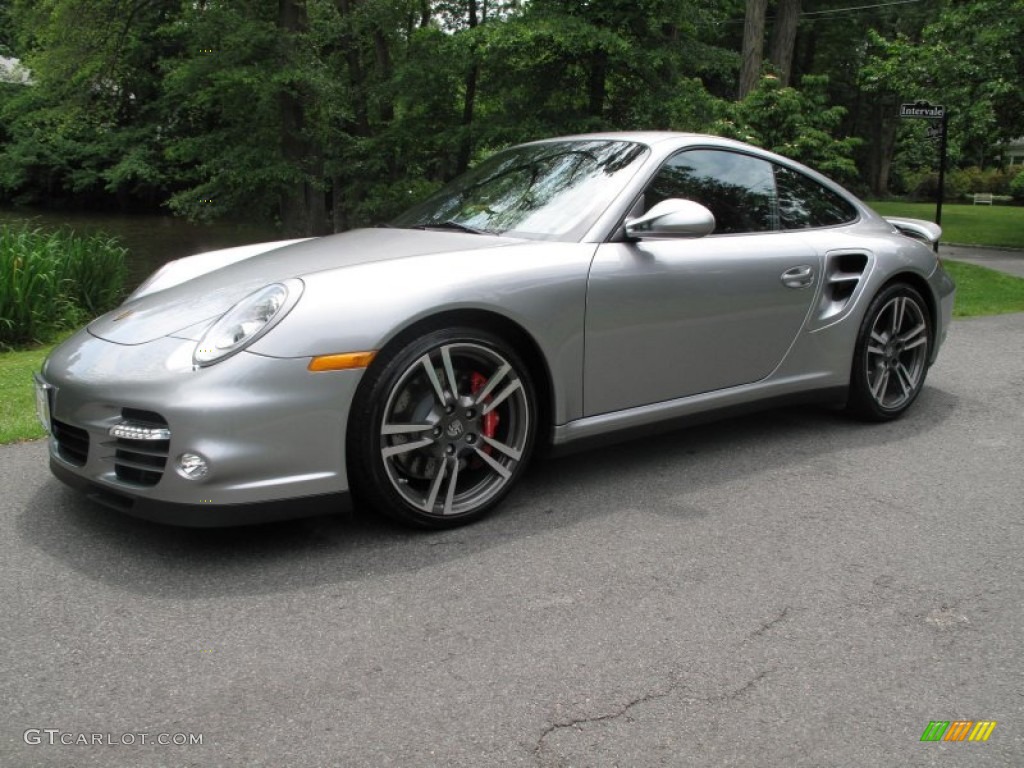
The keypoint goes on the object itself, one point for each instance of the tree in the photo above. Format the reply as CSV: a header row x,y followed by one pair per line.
x,y
239,100
753,46
796,123
6,30
84,128
969,59
783,41
331,114
832,40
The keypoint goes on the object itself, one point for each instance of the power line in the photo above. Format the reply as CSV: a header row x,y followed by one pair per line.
x,y
858,8
829,12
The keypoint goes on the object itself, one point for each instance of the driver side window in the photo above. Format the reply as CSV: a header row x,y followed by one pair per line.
x,y
738,189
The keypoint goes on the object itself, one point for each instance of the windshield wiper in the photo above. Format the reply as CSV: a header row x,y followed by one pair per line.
x,y
452,224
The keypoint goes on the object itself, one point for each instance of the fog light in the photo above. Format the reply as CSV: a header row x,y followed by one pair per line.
x,y
192,466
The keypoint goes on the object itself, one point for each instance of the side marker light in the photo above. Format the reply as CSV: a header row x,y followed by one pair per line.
x,y
341,362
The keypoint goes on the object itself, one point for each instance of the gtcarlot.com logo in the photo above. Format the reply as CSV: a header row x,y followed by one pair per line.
x,y
55,737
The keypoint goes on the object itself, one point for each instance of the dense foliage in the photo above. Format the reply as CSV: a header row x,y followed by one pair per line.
x,y
328,114
54,281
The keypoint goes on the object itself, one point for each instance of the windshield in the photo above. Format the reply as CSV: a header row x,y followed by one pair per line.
x,y
550,191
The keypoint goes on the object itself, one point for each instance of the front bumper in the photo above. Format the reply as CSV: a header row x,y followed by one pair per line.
x,y
272,432
202,515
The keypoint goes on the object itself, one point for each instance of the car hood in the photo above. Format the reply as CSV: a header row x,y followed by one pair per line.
x,y
208,296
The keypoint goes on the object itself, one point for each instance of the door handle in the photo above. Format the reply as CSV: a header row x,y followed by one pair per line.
x,y
798,277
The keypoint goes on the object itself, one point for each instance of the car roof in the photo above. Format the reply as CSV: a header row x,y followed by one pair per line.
x,y
664,143
651,138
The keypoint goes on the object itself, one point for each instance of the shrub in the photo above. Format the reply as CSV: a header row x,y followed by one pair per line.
x,y
922,185
961,183
925,186
1017,186
974,179
53,281
997,181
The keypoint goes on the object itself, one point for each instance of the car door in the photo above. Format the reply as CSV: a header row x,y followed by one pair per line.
x,y
667,318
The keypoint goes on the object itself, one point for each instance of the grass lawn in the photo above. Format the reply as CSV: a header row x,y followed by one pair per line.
x,y
17,396
996,225
983,291
980,291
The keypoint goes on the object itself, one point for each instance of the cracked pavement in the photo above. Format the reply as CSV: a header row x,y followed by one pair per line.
x,y
788,589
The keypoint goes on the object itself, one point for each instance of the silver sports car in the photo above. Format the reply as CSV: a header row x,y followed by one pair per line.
x,y
563,291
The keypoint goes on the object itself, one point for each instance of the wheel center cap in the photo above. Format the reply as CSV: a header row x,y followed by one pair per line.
x,y
455,428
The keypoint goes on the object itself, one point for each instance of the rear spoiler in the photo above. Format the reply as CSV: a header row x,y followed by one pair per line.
x,y
917,228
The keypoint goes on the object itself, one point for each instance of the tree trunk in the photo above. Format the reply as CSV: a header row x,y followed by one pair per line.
x,y
468,105
339,211
469,102
384,68
808,47
598,78
345,190
882,145
356,76
753,46
302,206
293,199
783,40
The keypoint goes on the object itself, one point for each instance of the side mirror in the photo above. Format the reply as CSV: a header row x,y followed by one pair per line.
x,y
672,218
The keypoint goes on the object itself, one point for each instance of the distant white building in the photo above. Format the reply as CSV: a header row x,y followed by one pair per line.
x,y
1013,151
12,71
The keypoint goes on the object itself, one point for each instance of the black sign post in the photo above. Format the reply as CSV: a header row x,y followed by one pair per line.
x,y
942,169
922,110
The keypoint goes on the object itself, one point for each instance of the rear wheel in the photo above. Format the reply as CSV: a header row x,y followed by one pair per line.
x,y
443,428
891,358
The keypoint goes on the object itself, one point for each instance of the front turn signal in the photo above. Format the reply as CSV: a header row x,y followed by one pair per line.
x,y
342,362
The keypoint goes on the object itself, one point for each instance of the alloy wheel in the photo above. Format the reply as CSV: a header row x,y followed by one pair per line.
x,y
456,424
896,353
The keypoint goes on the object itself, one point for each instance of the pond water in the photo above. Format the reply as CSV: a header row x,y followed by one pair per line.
x,y
151,240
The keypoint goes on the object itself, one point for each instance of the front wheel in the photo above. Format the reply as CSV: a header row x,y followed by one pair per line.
x,y
442,428
891,357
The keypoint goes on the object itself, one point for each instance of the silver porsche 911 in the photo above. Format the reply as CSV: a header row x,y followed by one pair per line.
x,y
562,291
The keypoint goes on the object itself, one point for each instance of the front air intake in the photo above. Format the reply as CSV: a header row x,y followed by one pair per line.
x,y
142,443
72,442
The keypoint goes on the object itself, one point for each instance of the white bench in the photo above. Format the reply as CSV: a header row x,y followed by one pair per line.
x,y
982,198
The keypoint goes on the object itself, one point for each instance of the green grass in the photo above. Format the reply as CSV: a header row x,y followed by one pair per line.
x,y
980,291
983,291
995,225
17,396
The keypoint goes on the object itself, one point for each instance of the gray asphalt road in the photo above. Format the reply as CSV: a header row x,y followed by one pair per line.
x,y
787,590
1005,260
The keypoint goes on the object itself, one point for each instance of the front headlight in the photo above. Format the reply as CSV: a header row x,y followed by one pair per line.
x,y
247,321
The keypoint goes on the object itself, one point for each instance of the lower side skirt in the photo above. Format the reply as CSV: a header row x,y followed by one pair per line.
x,y
834,397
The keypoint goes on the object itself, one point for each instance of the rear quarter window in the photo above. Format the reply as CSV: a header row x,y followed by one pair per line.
x,y
805,204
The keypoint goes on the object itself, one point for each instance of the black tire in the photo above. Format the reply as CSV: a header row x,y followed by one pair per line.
x,y
468,448
890,361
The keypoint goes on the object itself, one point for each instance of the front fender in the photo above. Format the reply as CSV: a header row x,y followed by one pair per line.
x,y
541,287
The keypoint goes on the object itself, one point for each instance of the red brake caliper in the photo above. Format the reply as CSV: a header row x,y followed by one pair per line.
x,y
489,423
